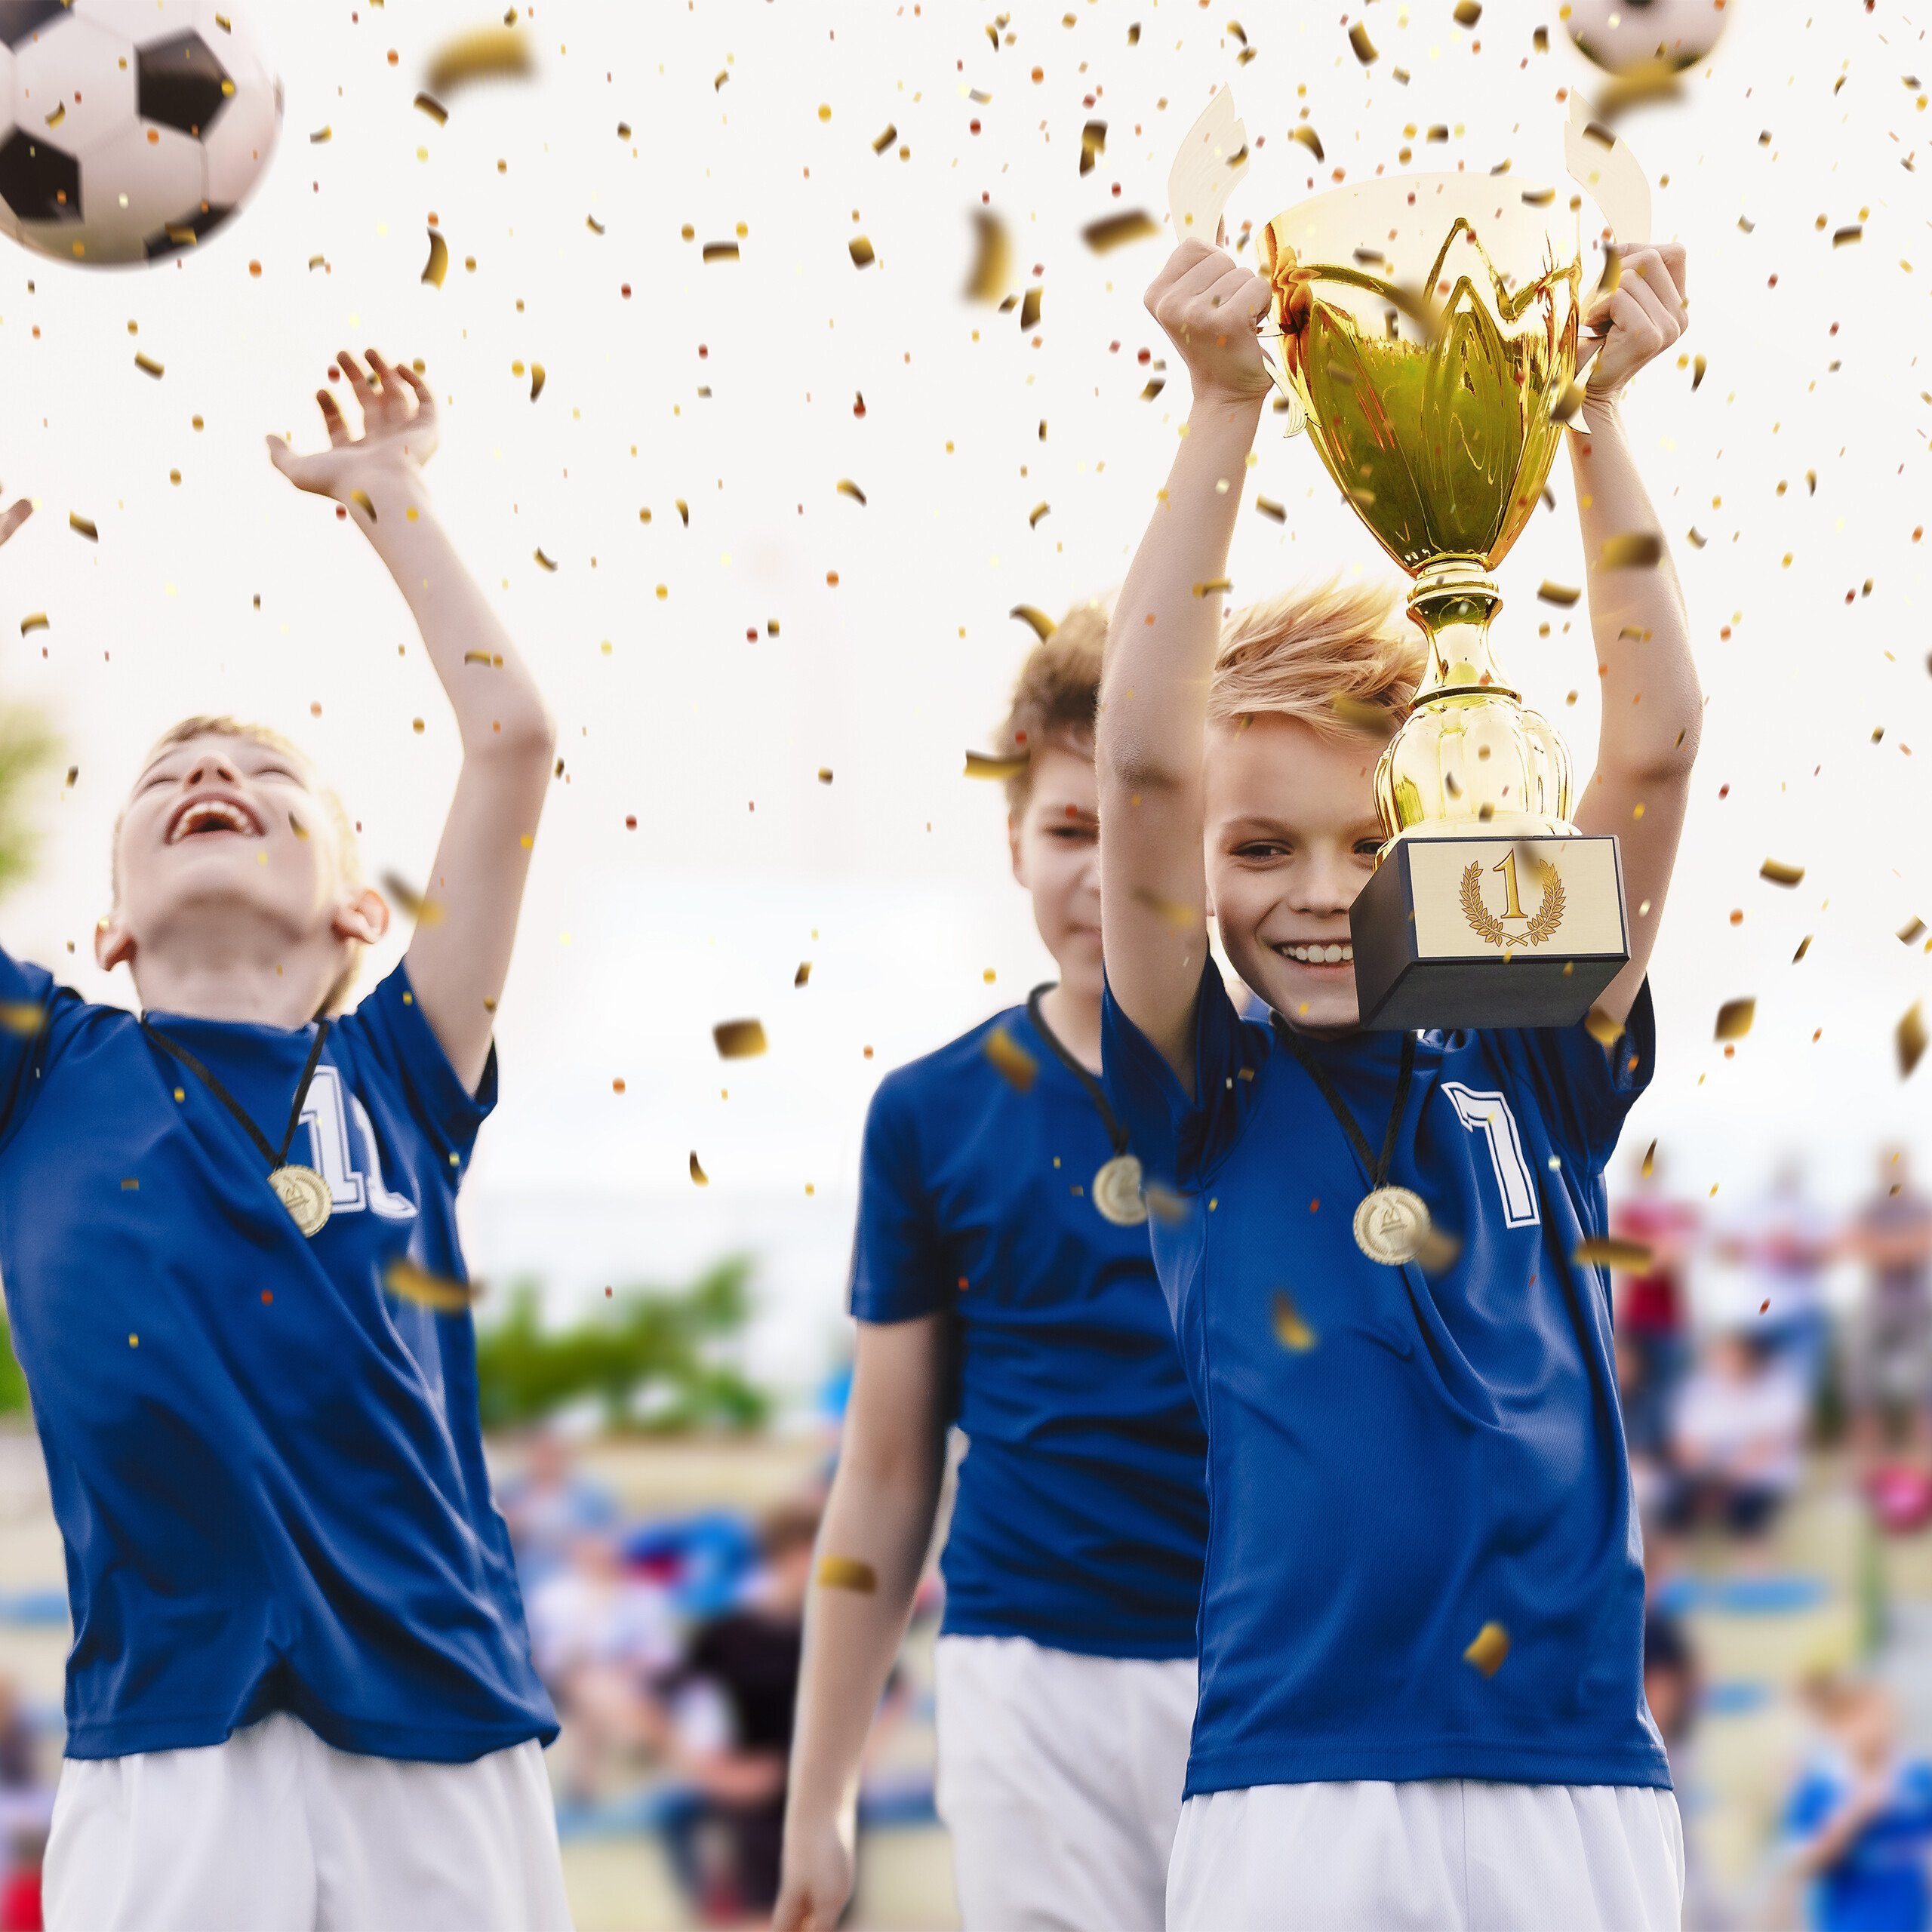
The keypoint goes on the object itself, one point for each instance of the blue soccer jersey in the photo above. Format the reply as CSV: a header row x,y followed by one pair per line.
x,y
267,1469
1081,1512
1423,1559
1878,1884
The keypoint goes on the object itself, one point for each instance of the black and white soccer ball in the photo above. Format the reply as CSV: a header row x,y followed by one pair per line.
x,y
130,130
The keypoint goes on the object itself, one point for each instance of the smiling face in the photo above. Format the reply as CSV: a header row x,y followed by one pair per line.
x,y
1055,837
1291,833
228,850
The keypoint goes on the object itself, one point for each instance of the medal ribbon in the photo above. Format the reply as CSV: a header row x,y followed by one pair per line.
x,y
1377,1167
1095,1093
277,1158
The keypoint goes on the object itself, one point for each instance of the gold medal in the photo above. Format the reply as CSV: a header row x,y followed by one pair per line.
x,y
1391,1226
1116,1191
305,1194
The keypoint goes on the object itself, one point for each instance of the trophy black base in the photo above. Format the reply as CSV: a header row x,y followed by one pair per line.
x,y
1488,931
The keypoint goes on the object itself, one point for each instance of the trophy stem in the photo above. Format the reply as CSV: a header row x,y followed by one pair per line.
x,y
1455,601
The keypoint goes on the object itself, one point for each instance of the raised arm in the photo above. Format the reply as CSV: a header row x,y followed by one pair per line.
x,y
460,952
1160,656
879,1525
1653,708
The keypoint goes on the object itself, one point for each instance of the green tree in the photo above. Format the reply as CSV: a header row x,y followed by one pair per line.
x,y
649,1356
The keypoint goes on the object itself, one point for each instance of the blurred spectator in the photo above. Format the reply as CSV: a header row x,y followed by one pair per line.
x,y
600,1636
550,1503
1859,1821
729,1730
1891,1378
1653,1307
19,1891
1672,1686
1779,1244
1737,1437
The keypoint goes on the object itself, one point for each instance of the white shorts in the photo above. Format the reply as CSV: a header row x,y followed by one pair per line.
x,y
1451,1855
276,1831
1060,1779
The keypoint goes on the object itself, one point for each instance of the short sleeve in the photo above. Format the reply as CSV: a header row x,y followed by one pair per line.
x,y
30,1005
1178,1140
1584,1091
898,1268
394,1033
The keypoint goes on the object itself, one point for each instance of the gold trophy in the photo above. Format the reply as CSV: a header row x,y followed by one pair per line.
x,y
1426,326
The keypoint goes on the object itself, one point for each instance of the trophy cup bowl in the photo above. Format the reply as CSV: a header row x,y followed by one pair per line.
x,y
1426,327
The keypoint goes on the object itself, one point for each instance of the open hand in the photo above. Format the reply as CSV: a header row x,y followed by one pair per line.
x,y
1209,308
1639,319
399,431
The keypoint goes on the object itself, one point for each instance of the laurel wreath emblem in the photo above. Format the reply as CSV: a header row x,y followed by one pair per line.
x,y
1543,922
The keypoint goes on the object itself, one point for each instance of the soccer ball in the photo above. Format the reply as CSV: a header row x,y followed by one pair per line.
x,y
130,130
1623,35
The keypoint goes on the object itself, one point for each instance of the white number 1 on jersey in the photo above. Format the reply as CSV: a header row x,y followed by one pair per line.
x,y
1489,1115
352,1189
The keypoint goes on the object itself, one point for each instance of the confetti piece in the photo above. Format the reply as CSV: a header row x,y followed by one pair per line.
x,y
1911,1038
1365,48
1608,1251
1650,1160
1214,586
992,260
407,1281
1015,1065
847,487
803,976
424,911
986,764
1604,1028
1269,508
542,561
721,251
149,366
1163,1204
321,135
1698,539
1804,947
1182,916
1778,873
483,53
1734,1019
434,108
883,140
37,622
846,1573
595,226
1631,550
1116,231
1909,932
83,525
698,1174
1092,145
1291,1331
1308,138
1491,1647
1558,593
537,379
1372,720
22,1016
1436,1251
862,257
739,1039
1467,12
1698,365
1042,625
439,263
1030,308
360,498
1843,238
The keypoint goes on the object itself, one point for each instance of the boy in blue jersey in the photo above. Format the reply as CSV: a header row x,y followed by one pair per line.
x,y
1421,1631
1001,1280
300,1696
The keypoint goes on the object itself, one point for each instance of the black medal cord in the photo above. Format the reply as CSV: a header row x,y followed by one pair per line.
x,y
1096,1092
1339,1108
275,1159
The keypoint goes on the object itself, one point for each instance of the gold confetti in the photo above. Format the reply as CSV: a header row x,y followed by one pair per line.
x,y
1778,873
1698,366
1698,539
360,498
1911,1038
992,260
1269,508
595,226
739,1039
542,561
803,976
721,251
59,115
1467,12
1183,918
1291,1331
1609,1251
424,911
1650,1159
537,379
1035,514
407,1281
862,257
1436,1251
1558,593
83,525
1042,625
846,1573
22,1016
483,53
989,764
1631,550
1604,1028
149,366
37,622
1539,198
1372,720
883,140
1116,231
1909,932
434,108
1030,308
698,1174
1308,138
1092,145
1163,1204
1214,586
1843,238
1804,947
1734,1019
321,134
1490,1647
439,263
1365,48
847,487
1015,1065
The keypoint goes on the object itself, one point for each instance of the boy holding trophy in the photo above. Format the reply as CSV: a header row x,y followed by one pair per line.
x,y
1421,1702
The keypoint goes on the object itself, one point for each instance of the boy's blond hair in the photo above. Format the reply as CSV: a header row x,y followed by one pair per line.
x,y
1057,695
1343,657
349,854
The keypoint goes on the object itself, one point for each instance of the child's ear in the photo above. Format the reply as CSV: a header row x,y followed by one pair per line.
x,y
113,944
363,918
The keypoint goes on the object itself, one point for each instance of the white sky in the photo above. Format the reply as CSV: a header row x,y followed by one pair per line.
x,y
891,880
